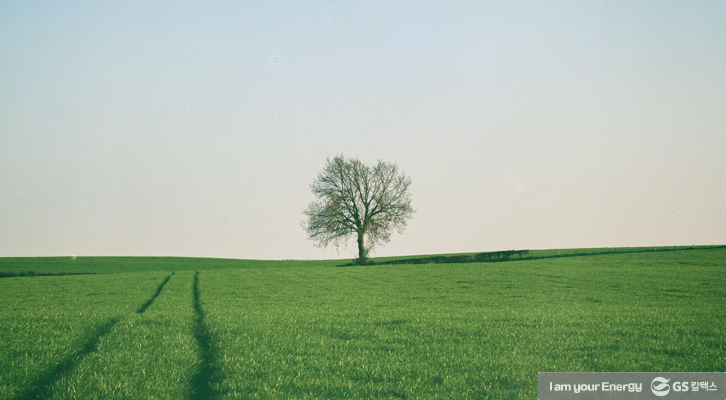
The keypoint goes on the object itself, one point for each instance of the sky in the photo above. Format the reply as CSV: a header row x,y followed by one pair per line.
x,y
172,128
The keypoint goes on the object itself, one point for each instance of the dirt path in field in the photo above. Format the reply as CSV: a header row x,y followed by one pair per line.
x,y
40,388
158,292
45,381
206,377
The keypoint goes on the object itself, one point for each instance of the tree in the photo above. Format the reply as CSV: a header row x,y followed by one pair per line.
x,y
357,200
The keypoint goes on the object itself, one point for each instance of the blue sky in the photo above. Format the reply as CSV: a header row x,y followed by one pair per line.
x,y
189,129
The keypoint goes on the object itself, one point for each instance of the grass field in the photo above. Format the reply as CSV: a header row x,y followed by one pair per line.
x,y
197,328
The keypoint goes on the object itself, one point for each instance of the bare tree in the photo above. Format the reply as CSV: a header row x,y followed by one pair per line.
x,y
357,200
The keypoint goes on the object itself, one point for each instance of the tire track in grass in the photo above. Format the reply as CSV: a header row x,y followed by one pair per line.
x,y
40,388
158,292
42,385
207,375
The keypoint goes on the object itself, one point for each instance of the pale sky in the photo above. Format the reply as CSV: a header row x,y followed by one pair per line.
x,y
189,129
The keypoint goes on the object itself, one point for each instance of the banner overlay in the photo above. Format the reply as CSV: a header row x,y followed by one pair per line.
x,y
631,385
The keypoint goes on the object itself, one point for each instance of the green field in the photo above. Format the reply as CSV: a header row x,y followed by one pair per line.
x,y
178,328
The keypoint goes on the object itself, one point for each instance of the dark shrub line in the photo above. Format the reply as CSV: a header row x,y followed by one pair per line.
x,y
158,292
626,250
509,255
207,375
40,388
493,256
10,274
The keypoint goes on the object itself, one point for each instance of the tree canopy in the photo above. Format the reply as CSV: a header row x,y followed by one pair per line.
x,y
355,200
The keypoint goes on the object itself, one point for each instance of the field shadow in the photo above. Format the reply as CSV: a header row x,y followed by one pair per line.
x,y
158,292
11,274
207,375
42,385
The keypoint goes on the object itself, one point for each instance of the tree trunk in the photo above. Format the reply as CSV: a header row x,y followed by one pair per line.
x,y
361,248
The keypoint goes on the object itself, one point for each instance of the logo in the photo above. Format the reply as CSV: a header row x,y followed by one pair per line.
x,y
660,386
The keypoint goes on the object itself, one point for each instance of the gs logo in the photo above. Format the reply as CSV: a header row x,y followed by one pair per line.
x,y
660,386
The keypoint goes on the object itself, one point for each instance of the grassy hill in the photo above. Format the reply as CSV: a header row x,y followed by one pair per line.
x,y
148,327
